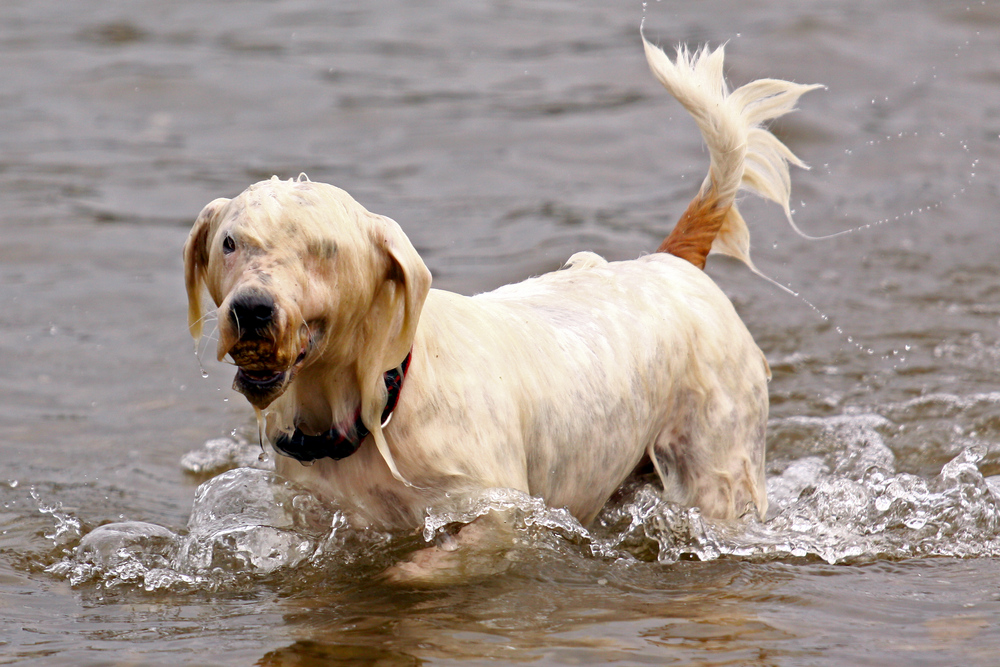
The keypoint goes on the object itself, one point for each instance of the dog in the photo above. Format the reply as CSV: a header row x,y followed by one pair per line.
x,y
387,397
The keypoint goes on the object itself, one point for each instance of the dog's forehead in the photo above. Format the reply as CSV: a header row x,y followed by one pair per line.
x,y
312,217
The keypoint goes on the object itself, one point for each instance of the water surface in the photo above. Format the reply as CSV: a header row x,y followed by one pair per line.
x,y
503,136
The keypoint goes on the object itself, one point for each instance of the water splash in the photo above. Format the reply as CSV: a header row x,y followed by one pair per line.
x,y
836,517
245,524
930,199
67,527
221,454
835,493
518,508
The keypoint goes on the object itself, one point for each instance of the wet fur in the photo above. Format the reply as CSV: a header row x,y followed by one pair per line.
x,y
560,386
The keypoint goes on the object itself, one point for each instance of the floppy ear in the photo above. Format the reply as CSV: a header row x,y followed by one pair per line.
x,y
390,325
196,262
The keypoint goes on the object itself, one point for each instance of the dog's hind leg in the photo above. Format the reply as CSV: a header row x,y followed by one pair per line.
x,y
714,459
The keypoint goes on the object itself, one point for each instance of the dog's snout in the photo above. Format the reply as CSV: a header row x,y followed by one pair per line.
x,y
252,313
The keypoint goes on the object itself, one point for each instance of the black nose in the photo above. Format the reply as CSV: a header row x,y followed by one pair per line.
x,y
251,313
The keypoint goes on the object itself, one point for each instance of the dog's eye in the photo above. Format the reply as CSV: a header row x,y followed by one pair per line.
x,y
228,245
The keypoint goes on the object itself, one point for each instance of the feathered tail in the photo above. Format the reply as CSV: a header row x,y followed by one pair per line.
x,y
744,155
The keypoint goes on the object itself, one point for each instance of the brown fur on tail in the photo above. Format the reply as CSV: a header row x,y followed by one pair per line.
x,y
694,233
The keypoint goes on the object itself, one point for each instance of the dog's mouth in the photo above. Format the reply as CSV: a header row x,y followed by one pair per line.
x,y
261,380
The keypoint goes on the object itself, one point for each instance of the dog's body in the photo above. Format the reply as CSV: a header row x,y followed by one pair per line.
x,y
559,386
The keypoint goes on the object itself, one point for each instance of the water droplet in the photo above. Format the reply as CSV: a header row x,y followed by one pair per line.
x,y
260,426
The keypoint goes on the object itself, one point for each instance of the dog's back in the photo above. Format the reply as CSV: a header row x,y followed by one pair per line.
x,y
600,365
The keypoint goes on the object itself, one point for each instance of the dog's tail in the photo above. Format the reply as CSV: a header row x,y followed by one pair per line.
x,y
744,155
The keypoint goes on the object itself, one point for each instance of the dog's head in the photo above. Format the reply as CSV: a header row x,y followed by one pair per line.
x,y
302,274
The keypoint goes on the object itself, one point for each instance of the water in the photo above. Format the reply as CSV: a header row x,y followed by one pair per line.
x,y
138,527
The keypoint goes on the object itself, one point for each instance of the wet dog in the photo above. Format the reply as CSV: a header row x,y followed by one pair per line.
x,y
387,397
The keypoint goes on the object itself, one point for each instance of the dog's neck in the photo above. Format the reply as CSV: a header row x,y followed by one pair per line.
x,y
341,440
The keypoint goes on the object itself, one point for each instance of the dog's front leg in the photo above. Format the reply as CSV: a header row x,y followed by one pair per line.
x,y
481,548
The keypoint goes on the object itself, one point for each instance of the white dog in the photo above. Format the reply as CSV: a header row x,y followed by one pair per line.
x,y
387,397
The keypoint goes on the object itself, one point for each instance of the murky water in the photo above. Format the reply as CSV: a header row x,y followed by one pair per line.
x,y
503,136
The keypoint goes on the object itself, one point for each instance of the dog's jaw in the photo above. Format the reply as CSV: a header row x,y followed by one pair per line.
x,y
261,388
262,375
